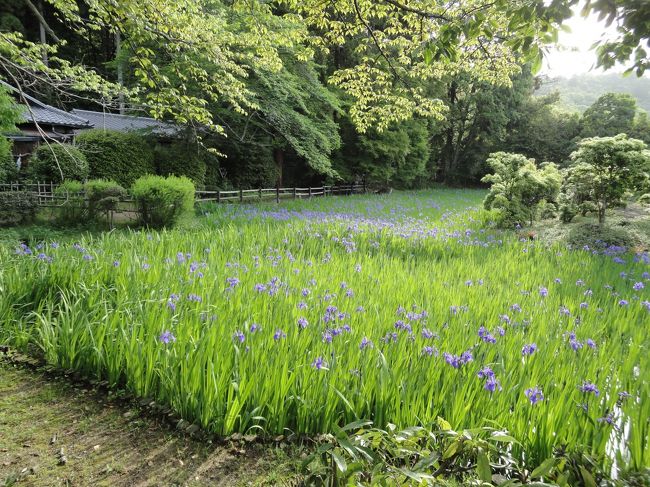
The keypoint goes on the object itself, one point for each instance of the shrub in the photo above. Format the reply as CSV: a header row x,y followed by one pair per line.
x,y
8,169
599,237
604,170
162,201
117,156
56,163
103,196
519,186
70,207
644,199
16,207
181,159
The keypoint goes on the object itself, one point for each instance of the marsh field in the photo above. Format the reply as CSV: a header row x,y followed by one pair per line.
x,y
407,309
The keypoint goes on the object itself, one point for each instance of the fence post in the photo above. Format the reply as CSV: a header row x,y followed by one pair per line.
x,y
241,195
364,185
295,195
277,194
218,195
260,193
310,192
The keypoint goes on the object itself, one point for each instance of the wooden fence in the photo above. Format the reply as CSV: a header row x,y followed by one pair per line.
x,y
46,193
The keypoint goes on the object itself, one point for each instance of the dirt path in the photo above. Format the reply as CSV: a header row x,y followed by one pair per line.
x,y
54,433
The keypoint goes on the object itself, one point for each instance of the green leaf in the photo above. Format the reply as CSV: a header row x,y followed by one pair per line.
x,y
544,468
483,467
587,477
340,462
504,439
356,424
452,450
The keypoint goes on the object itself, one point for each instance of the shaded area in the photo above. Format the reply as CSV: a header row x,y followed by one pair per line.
x,y
56,433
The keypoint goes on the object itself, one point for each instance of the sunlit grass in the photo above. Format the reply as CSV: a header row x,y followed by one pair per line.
x,y
313,313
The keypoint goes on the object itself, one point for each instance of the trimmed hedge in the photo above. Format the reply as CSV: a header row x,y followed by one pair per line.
x,y
49,161
122,157
70,207
163,201
8,170
181,159
103,196
16,207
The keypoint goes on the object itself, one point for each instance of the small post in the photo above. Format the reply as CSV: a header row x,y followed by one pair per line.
x,y
277,194
218,195
260,193
295,194
364,185
310,192
241,195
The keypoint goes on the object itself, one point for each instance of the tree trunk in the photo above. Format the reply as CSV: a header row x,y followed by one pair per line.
x,y
601,213
120,73
278,157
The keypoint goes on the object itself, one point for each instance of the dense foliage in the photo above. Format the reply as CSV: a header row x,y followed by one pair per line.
x,y
603,170
398,308
182,158
16,207
102,196
119,156
519,186
163,201
69,207
8,169
56,162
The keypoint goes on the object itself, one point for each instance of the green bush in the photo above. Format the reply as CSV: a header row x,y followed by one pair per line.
x,y
598,237
181,159
162,201
69,205
51,161
103,196
644,199
8,170
519,187
16,207
117,156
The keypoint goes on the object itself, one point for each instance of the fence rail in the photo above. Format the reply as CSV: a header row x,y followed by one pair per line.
x,y
45,193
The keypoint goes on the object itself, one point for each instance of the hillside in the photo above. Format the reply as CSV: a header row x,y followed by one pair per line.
x,y
578,92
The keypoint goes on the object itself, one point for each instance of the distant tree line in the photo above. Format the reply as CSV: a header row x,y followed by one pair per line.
x,y
288,94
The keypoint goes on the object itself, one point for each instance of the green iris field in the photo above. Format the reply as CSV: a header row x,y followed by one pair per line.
x,y
400,308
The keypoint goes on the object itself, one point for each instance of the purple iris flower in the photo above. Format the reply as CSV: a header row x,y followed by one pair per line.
x,y
318,363
167,337
528,349
534,394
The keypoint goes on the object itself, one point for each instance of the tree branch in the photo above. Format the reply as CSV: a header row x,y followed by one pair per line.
x,y
41,19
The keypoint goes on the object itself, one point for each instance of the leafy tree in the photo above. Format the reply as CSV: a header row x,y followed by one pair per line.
x,y
632,19
641,127
603,170
8,169
397,156
477,123
10,112
519,186
543,130
611,114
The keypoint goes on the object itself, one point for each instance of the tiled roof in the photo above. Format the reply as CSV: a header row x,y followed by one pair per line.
x,y
39,112
126,123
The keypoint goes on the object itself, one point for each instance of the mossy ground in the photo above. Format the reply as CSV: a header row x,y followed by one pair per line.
x,y
107,443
